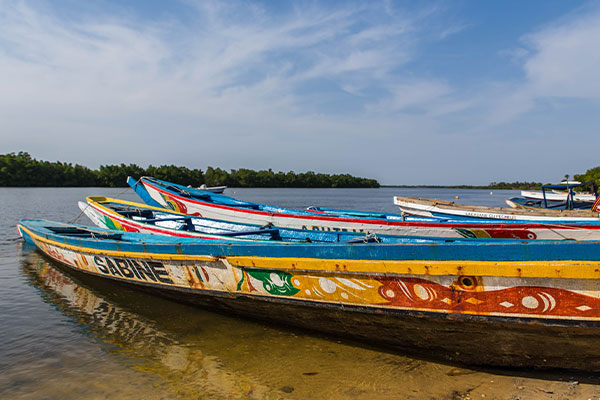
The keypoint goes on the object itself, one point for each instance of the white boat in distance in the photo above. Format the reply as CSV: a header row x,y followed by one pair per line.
x,y
213,189
562,192
557,196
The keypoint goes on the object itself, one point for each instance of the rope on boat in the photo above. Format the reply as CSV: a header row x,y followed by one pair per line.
x,y
127,188
88,204
80,214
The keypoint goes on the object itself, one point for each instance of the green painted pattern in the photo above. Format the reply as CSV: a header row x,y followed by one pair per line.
x,y
275,282
110,223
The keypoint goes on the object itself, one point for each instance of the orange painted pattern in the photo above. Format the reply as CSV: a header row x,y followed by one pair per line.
x,y
423,294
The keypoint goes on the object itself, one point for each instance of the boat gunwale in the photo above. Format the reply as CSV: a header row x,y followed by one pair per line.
x,y
551,269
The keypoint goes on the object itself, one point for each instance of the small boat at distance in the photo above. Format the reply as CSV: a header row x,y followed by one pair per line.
x,y
513,303
557,197
213,189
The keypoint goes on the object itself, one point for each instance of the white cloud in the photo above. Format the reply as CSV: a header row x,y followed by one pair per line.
x,y
109,64
559,61
417,93
566,60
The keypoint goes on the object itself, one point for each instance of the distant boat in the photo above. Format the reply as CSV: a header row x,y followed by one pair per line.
x,y
213,189
513,303
193,202
561,196
523,203
557,196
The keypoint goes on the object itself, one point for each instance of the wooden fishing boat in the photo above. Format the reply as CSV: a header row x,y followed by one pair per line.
x,y
449,209
512,303
198,203
135,217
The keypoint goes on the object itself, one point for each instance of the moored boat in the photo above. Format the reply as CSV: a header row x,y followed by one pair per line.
x,y
447,209
135,217
213,189
513,303
558,197
198,203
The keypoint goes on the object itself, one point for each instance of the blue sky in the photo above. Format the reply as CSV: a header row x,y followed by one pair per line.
x,y
429,92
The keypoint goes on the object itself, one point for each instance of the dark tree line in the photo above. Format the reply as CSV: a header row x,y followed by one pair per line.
x,y
20,169
267,178
514,185
592,174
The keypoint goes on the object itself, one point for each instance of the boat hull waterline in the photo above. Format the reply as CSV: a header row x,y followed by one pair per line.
x,y
154,193
540,313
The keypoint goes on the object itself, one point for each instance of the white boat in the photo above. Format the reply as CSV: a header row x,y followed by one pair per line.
x,y
562,193
557,196
447,209
213,189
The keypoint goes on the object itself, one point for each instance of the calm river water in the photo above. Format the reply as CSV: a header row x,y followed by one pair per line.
x,y
66,336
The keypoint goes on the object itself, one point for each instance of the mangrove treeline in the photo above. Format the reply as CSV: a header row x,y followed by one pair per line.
x,y
20,169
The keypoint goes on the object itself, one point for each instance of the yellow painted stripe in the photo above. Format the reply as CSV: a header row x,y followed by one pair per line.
x,y
98,200
525,269
513,269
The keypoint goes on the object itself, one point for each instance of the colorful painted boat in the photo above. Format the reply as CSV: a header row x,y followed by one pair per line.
x,y
448,209
513,303
198,203
135,217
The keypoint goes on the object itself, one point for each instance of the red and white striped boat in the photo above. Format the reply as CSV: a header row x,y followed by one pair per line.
x,y
219,207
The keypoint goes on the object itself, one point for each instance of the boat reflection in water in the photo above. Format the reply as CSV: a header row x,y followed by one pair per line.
x,y
148,347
